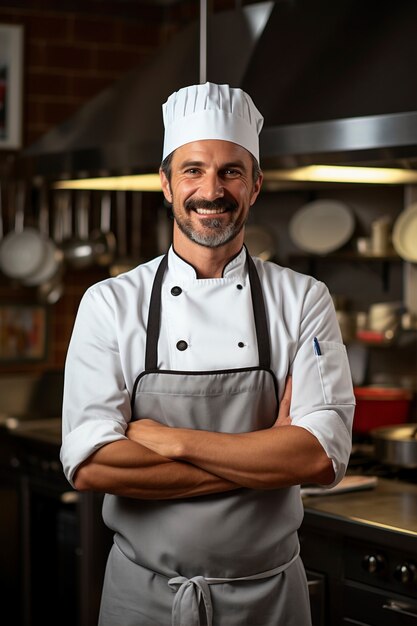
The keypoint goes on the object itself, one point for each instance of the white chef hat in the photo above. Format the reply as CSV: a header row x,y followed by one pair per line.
x,y
211,111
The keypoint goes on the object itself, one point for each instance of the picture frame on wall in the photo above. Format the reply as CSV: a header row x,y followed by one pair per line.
x,y
23,333
11,79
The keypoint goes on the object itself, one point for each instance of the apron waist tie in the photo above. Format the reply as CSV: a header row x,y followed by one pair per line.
x,y
191,591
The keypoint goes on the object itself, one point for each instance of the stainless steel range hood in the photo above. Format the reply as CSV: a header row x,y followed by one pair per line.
x,y
336,82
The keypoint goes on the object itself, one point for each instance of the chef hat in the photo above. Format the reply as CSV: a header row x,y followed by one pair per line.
x,y
211,112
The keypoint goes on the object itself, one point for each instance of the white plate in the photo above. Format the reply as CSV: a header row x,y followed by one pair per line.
x,y
259,242
404,234
322,226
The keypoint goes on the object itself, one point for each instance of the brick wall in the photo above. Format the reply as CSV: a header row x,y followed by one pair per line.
x,y
72,50
72,55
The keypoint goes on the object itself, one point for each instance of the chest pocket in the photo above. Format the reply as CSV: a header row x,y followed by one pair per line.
x,y
334,372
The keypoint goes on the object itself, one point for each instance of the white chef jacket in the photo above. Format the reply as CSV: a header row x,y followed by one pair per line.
x,y
214,317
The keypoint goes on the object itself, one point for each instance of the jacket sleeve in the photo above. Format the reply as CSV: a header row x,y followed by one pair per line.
x,y
323,401
96,407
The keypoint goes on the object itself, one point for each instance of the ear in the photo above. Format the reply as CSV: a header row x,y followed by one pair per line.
x,y
166,187
256,189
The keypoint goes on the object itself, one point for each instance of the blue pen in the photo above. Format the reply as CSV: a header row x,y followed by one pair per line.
x,y
317,350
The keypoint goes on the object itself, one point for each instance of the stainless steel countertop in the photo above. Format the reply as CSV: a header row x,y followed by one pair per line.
x,y
391,505
42,430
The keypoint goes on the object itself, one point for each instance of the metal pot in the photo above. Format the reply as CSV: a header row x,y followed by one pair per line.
x,y
396,445
53,256
23,250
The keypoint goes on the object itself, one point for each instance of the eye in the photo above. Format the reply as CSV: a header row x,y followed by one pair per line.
x,y
191,171
231,173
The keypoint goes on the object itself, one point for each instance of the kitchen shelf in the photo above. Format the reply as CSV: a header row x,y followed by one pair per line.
x,y
349,256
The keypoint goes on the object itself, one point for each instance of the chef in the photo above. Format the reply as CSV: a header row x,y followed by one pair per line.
x,y
179,378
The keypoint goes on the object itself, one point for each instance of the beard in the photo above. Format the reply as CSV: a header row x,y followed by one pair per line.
x,y
214,233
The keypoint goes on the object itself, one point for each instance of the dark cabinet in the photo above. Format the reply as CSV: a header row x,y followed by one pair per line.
x,y
53,542
369,574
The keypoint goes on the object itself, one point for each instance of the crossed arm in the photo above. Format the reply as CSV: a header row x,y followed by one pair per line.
x,y
160,462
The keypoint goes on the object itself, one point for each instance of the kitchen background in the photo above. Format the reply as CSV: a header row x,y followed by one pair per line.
x,y
72,51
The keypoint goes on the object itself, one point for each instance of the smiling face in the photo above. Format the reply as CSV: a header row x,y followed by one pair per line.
x,y
211,191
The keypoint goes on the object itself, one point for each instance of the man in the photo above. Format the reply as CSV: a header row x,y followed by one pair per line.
x,y
173,380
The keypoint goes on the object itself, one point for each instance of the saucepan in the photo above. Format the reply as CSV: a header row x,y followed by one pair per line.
x,y
396,445
53,256
22,250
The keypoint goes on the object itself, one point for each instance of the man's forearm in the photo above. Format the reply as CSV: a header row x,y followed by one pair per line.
x,y
128,469
264,459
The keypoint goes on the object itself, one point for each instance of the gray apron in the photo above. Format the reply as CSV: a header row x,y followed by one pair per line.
x,y
228,559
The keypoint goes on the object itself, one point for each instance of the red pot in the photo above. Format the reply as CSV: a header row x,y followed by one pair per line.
x,y
380,406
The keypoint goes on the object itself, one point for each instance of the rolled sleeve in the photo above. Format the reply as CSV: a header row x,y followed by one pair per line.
x,y
96,404
81,442
323,401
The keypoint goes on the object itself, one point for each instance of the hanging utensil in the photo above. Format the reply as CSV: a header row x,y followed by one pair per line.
x,y
122,262
137,201
22,251
79,250
103,240
1,214
50,291
53,257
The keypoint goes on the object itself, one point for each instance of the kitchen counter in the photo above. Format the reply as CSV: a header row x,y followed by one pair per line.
x,y
362,546
390,506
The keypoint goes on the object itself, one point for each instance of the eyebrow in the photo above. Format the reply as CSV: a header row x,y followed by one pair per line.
x,y
225,166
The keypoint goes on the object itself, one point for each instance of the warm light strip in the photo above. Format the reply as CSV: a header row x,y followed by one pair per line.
x,y
344,174
311,173
138,182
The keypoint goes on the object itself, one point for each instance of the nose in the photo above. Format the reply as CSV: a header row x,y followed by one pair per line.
x,y
211,187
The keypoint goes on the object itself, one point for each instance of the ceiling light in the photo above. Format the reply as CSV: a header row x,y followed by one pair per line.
x,y
344,174
311,173
139,182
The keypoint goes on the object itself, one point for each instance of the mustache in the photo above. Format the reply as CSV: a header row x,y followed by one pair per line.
x,y
219,203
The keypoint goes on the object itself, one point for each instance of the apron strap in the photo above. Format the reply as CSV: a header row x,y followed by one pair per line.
x,y
259,312
154,318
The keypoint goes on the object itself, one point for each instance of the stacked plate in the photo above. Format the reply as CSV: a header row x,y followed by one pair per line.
x,y
322,226
404,234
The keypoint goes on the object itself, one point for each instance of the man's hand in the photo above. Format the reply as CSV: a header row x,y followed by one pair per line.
x,y
284,418
154,436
